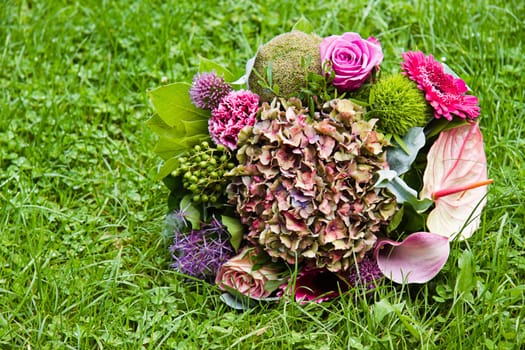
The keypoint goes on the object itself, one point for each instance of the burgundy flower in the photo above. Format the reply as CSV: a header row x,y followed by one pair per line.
x,y
444,92
316,285
236,110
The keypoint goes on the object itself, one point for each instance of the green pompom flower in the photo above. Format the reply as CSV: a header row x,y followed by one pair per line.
x,y
398,104
286,55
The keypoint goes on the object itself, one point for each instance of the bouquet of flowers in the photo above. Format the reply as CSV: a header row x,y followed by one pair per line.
x,y
315,172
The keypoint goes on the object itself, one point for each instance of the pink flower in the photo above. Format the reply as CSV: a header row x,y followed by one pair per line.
x,y
235,111
238,273
351,58
316,285
444,92
417,259
208,89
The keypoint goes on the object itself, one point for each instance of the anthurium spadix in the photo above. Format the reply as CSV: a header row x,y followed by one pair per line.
x,y
456,178
417,259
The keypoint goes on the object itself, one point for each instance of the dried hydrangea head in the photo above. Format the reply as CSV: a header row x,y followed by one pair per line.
x,y
305,187
287,54
208,89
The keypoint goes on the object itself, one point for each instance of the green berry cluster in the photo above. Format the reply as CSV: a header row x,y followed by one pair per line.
x,y
202,170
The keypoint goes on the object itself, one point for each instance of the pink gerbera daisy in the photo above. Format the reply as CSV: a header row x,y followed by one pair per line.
x,y
444,92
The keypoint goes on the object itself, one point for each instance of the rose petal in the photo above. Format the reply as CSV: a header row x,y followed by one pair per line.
x,y
415,260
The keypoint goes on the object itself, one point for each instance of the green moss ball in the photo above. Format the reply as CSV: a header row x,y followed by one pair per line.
x,y
398,104
287,53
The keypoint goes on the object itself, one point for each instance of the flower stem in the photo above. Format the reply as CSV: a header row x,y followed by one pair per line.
x,y
452,190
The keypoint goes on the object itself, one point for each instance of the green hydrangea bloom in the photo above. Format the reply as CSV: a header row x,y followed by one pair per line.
x,y
398,104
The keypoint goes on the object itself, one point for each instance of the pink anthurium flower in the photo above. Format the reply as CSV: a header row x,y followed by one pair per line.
x,y
417,259
455,179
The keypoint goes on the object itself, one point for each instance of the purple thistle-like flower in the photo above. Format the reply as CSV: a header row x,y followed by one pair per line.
x,y
366,274
208,89
200,253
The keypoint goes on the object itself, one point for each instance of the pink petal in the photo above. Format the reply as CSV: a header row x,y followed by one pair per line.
x,y
415,260
456,160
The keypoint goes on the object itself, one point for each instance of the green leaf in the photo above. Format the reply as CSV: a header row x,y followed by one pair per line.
x,y
438,125
401,143
466,281
235,229
192,213
173,104
168,167
206,65
237,302
401,156
303,25
395,220
169,147
404,194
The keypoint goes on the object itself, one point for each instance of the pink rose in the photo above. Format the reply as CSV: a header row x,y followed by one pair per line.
x,y
351,58
238,274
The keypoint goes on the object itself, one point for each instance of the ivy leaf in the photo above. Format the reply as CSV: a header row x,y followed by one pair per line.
x,y
168,166
168,147
235,229
178,123
191,212
455,178
173,105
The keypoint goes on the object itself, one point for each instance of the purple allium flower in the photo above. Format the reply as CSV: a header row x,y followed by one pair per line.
x,y
366,274
236,110
200,253
208,89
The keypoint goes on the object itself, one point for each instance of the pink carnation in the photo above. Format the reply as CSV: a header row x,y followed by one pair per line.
x,y
444,92
236,110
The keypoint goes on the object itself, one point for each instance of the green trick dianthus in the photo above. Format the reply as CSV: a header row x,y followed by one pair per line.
x,y
398,104
287,54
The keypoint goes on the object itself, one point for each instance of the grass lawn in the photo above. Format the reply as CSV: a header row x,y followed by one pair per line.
x,y
83,262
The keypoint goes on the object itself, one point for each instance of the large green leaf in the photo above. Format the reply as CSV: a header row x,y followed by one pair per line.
x,y
191,212
173,104
235,229
404,194
206,65
169,147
